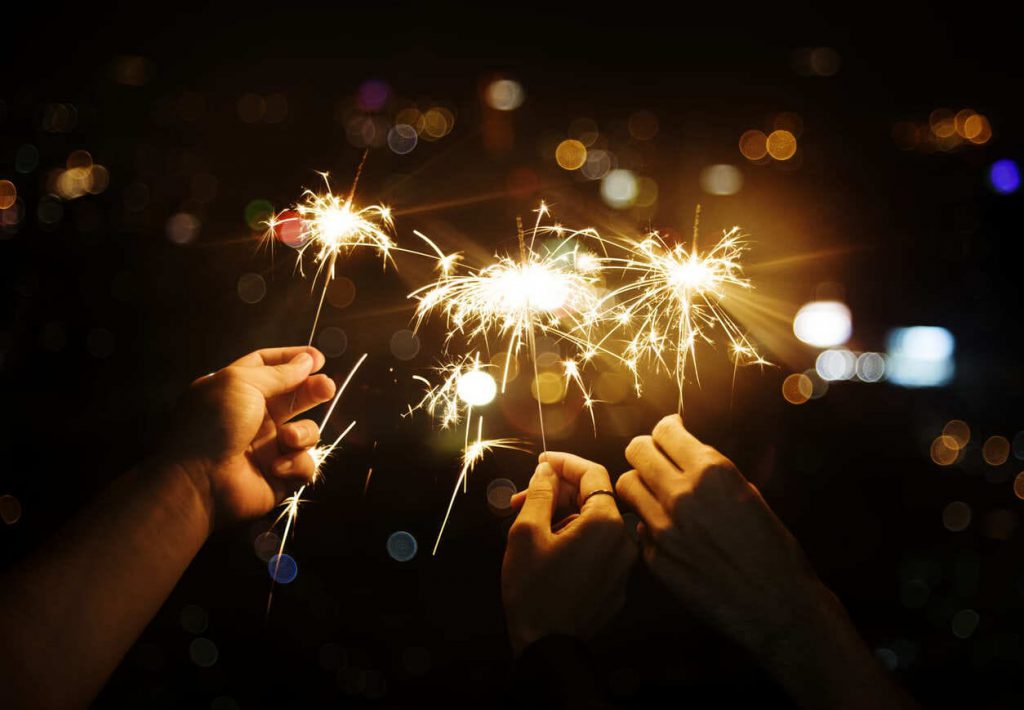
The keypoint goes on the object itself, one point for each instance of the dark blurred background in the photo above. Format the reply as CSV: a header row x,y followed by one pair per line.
x,y
871,153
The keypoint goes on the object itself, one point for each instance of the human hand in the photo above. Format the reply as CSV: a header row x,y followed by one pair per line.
x,y
233,437
568,580
710,537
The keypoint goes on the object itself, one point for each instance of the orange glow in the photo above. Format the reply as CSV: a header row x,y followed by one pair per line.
x,y
754,145
781,145
944,450
977,129
571,154
8,194
1018,485
996,450
958,431
960,121
942,123
797,388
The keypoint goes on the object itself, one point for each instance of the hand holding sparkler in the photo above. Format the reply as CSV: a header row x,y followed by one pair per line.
x,y
711,538
234,437
570,579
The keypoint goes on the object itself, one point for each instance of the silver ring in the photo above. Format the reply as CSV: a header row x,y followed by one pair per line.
x,y
600,492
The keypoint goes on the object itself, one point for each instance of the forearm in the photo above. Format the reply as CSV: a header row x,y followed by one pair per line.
x,y
823,663
70,613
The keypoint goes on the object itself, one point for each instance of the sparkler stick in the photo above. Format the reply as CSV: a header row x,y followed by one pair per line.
x,y
471,456
319,454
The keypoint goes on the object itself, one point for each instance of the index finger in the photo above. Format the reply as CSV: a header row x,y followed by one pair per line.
x,y
279,356
587,476
682,447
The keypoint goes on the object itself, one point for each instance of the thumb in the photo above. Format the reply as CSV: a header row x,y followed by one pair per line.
x,y
541,498
273,380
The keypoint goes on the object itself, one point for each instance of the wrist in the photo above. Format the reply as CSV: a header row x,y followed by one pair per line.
x,y
191,489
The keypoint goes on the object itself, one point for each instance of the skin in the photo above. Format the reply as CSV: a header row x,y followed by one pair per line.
x,y
568,579
710,537
233,454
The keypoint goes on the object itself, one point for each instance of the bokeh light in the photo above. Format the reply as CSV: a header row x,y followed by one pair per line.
x,y
8,194
944,450
571,154
401,546
996,450
251,288
834,365
823,324
203,652
721,179
781,144
1018,485
404,344
1004,176
283,568
870,367
548,387
797,388
477,388
643,125
965,623
332,341
920,356
619,188
959,431
754,145
372,95
504,95
956,517
402,138
10,509
499,494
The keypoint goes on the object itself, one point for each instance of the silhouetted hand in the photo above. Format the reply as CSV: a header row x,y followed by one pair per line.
x,y
571,579
709,535
232,435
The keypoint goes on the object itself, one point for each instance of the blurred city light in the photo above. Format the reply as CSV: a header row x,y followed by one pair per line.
x,y
823,324
504,95
920,356
721,180
834,365
477,388
1004,176
619,188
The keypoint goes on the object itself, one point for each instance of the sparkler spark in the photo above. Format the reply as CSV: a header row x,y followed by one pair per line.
x,y
472,454
331,226
673,300
546,290
319,454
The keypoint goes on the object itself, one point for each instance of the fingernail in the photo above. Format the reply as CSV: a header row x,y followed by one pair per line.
x,y
302,359
283,466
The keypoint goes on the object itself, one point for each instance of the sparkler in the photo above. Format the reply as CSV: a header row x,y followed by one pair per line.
x,y
331,226
319,454
546,291
675,300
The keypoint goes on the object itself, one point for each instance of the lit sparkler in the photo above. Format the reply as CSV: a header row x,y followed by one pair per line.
x,y
331,226
319,454
547,291
673,300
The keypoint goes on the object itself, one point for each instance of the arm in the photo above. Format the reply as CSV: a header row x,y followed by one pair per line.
x,y
68,615
561,585
711,538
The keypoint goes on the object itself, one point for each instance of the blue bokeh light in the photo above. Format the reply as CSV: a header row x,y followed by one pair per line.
x,y
402,546
283,568
920,356
1004,175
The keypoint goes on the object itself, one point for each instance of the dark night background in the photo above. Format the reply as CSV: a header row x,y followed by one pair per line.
x,y
105,319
